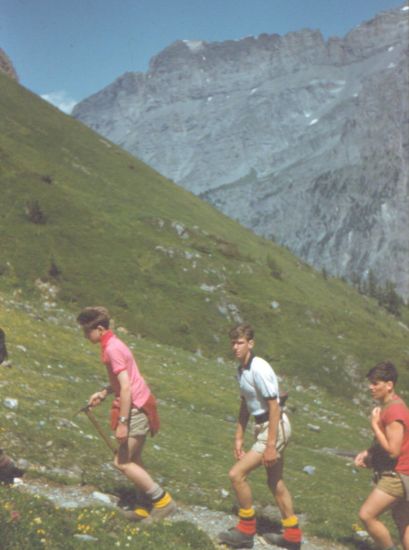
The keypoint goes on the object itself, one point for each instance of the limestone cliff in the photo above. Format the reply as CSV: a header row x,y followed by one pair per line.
x,y
6,66
303,140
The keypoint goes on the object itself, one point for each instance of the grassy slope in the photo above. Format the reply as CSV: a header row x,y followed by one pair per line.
x,y
55,370
107,214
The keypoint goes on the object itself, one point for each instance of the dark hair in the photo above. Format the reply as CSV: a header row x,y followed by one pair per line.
x,y
242,331
384,371
93,317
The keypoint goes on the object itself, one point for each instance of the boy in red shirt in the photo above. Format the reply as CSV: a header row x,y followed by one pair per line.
x,y
389,457
133,412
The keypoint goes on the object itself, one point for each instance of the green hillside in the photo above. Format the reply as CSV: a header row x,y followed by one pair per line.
x,y
55,370
103,228
82,223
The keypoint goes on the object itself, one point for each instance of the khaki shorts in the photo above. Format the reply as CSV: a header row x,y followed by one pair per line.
x,y
391,485
138,423
261,435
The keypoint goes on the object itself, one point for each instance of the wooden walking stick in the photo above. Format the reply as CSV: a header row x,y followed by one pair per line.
x,y
93,420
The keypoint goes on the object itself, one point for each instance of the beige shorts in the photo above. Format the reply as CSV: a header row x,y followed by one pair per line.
x,y
261,435
391,485
138,423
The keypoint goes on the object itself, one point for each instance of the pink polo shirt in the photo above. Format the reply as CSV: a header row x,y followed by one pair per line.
x,y
117,357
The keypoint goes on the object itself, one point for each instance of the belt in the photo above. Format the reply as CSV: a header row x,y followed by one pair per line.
x,y
260,418
377,474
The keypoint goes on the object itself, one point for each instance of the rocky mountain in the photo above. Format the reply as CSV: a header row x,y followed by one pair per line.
x,y
6,66
303,140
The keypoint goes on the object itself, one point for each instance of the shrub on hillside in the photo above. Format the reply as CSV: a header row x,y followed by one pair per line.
x,y
54,270
35,213
275,270
46,178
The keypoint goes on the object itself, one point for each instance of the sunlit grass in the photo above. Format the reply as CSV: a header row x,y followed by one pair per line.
x,y
198,401
176,274
32,523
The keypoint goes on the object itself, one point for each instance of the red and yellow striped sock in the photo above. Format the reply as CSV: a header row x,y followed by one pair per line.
x,y
247,521
292,532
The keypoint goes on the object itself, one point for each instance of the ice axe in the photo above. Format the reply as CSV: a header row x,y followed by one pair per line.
x,y
93,420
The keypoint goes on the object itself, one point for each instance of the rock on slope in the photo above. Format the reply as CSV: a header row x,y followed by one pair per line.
x,y
6,66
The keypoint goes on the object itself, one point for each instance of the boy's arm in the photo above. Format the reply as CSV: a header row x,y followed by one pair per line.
x,y
125,400
361,459
390,440
99,396
270,454
125,394
241,428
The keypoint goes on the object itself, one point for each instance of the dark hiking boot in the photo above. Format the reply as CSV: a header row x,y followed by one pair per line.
x,y
3,349
139,514
160,513
8,470
236,539
9,473
279,540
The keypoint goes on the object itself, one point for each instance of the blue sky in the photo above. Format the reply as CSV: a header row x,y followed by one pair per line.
x,y
66,50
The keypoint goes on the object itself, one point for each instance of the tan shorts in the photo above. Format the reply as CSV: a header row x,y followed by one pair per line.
x,y
261,435
391,485
138,423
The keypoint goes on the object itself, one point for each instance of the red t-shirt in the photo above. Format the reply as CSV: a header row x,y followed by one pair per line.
x,y
397,411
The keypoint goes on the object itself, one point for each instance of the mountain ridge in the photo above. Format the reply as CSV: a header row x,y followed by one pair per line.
x,y
266,128
6,66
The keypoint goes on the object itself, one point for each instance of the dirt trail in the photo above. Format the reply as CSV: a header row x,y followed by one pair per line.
x,y
213,522
210,521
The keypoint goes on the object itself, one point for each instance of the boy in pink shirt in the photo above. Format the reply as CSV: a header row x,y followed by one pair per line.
x,y
133,412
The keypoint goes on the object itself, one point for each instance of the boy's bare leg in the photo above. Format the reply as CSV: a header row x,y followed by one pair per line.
x,y
135,448
242,535
291,533
376,503
128,460
277,486
400,514
238,477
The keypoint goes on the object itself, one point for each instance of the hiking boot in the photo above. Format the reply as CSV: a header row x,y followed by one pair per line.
x,y
8,470
279,540
9,473
160,513
236,539
139,514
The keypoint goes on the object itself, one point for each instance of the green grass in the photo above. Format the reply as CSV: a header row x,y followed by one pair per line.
x,y
33,524
167,264
176,274
56,369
